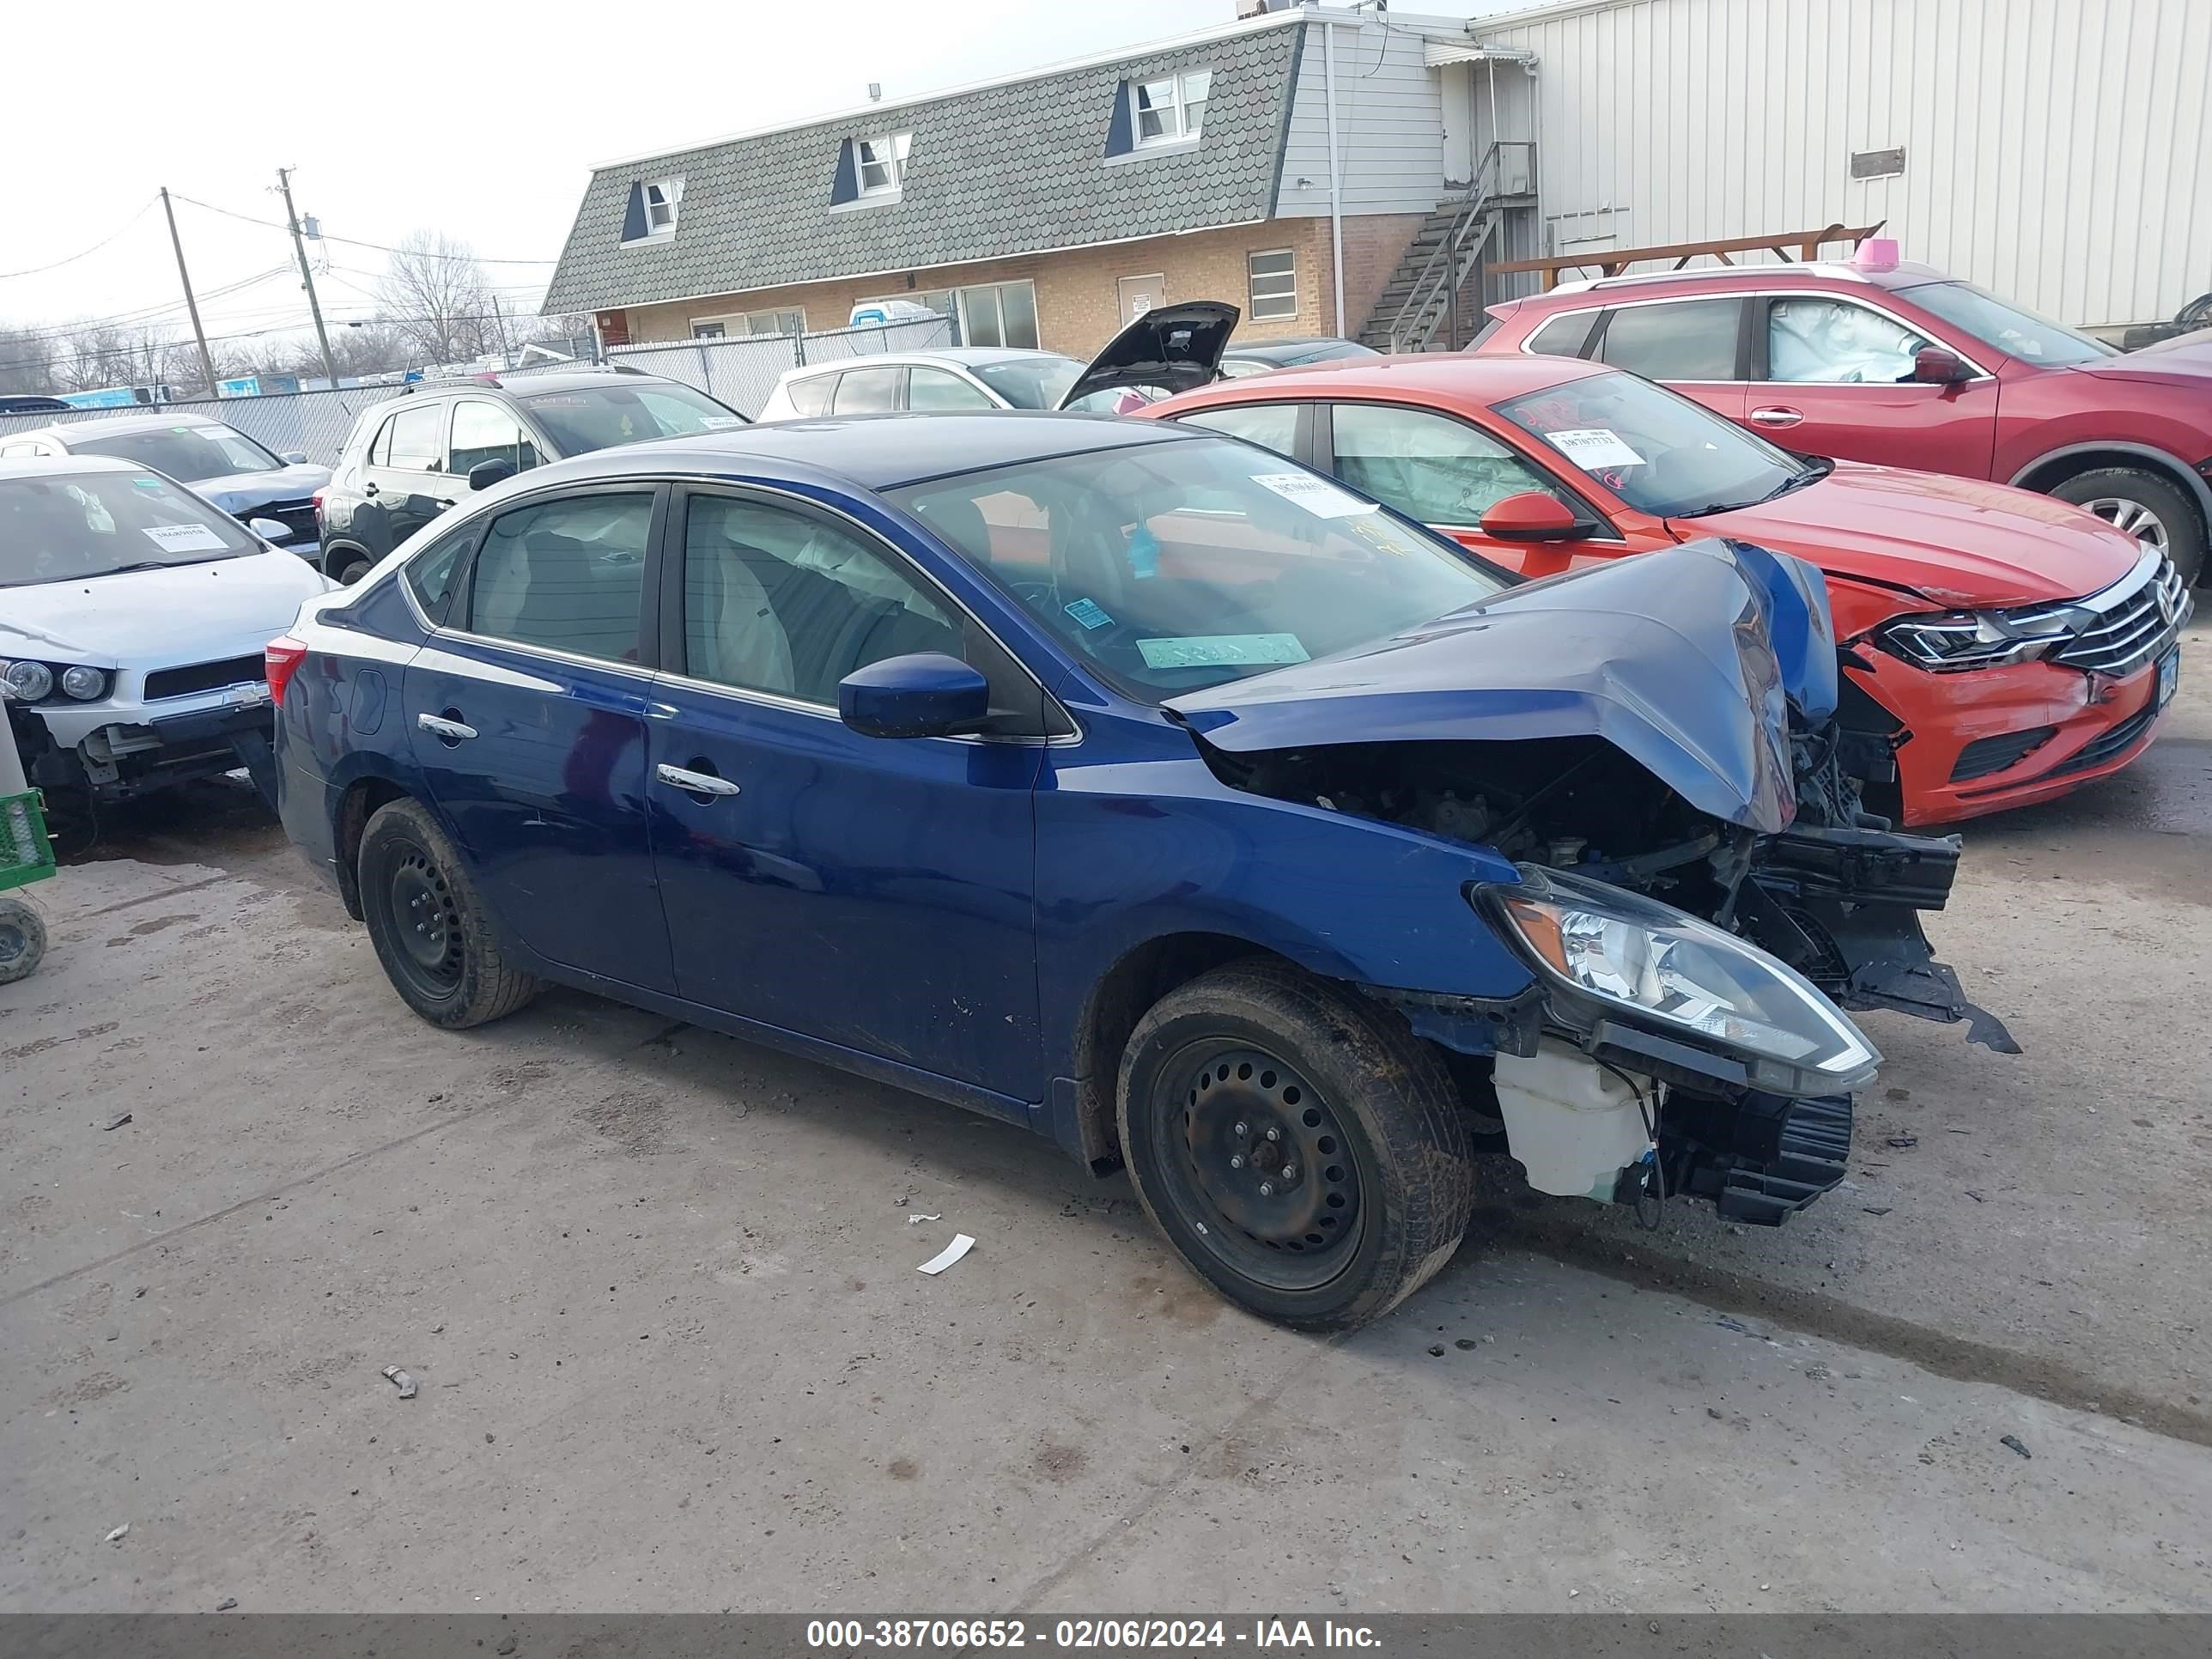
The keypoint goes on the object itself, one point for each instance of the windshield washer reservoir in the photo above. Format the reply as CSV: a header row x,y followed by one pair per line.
x,y
1573,1124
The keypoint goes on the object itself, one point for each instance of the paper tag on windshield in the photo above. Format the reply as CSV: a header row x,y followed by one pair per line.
x,y
184,537
1317,495
1593,446
1223,650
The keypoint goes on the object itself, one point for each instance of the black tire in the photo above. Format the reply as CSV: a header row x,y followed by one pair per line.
x,y
429,923
2181,527
22,940
1380,1189
347,566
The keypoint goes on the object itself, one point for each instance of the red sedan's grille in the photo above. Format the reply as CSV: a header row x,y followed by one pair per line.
x,y
2134,625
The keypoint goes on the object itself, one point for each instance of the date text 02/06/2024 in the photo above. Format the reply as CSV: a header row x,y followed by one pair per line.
x,y
1088,1635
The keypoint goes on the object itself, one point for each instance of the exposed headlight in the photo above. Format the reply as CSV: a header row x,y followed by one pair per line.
x,y
1634,955
1977,639
27,682
85,685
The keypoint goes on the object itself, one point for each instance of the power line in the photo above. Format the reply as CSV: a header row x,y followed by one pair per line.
x,y
143,315
355,241
38,269
263,333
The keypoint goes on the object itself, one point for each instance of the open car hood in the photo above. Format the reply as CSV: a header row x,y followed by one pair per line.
x,y
1178,348
1688,660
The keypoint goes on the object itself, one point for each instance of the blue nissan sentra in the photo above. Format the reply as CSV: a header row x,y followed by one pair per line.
x,y
1133,784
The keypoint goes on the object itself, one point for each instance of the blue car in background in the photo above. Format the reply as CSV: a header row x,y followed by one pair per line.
x,y
1134,785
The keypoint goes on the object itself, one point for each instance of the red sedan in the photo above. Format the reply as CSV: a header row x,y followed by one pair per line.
x,y
1902,365
2014,646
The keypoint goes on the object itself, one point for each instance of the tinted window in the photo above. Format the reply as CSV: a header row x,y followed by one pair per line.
x,y
585,418
933,388
416,439
777,601
1679,340
811,397
486,432
1563,336
61,528
1428,466
379,453
867,390
566,576
1271,426
1169,567
431,573
186,453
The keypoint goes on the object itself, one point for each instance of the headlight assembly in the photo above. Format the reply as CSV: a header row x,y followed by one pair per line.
x,y
1977,639
1617,953
27,682
85,685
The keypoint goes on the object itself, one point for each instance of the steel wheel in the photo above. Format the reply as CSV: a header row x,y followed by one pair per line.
x,y
2132,517
424,922
1263,1164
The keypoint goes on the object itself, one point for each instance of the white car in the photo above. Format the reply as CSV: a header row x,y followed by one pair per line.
x,y
133,615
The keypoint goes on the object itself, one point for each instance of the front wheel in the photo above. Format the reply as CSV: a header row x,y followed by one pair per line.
x,y
429,923
1300,1150
22,940
2150,508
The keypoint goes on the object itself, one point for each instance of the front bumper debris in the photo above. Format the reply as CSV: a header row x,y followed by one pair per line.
x,y
1760,1159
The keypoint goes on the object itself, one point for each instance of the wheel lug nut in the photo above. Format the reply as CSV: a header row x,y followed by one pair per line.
x,y
1290,1172
1237,1162
1267,1189
1274,1134
1242,1129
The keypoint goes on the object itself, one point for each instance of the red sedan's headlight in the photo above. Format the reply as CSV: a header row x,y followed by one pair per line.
x,y
1955,640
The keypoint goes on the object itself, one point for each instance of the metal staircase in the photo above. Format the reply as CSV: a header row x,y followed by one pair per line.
x,y
1429,293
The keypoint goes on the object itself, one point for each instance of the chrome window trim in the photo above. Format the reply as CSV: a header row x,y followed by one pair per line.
x,y
825,711
1980,374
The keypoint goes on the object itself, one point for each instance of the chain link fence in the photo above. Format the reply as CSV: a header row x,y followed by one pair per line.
x,y
739,373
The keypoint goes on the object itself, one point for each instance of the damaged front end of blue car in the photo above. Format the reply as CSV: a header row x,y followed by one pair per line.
x,y
1699,892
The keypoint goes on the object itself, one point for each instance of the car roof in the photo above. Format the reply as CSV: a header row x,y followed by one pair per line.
x,y
528,385
872,452
1792,273
1458,375
114,425
1272,349
961,356
49,467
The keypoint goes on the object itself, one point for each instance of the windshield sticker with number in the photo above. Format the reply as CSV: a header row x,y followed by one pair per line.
x,y
1087,612
1317,495
184,539
1594,447
1224,650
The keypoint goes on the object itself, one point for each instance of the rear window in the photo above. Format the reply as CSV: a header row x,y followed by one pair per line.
x,y
811,397
1562,337
585,418
1675,340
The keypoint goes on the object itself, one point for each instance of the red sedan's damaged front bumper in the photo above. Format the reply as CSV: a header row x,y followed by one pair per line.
x,y
1982,740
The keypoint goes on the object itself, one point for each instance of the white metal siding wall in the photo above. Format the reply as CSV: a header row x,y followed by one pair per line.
x,y
1389,125
2058,152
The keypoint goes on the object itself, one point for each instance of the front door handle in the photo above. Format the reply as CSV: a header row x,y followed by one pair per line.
x,y
444,730
1776,415
695,783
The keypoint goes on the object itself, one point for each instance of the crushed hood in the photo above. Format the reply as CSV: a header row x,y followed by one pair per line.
x,y
1176,347
238,493
150,618
1963,544
1671,657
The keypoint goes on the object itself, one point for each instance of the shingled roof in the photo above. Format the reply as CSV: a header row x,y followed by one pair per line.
x,y
1015,167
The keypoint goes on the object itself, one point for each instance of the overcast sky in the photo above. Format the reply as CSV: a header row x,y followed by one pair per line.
x,y
479,120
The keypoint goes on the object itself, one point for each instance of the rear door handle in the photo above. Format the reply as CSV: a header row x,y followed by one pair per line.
x,y
447,731
1776,416
695,783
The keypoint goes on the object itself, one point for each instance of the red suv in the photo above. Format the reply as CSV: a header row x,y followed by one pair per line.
x,y
1899,365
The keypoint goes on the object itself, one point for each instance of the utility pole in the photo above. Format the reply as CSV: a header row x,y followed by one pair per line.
x,y
207,363
506,351
306,276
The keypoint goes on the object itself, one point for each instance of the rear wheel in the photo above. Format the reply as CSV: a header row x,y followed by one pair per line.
x,y
2150,508
347,566
1301,1151
429,925
22,940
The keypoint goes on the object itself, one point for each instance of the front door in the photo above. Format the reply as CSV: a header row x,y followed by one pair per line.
x,y
1833,377
527,714
404,480
875,894
1140,294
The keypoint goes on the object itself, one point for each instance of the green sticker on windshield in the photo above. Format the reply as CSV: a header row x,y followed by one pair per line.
x,y
154,484
1223,651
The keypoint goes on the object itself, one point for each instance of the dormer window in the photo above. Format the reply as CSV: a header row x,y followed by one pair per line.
x,y
881,162
1171,110
651,214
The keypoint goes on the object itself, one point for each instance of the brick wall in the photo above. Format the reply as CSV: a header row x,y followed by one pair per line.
x,y
1078,292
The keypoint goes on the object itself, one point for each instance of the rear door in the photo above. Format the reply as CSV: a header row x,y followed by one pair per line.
x,y
405,480
527,714
1695,346
876,391
872,893
1834,377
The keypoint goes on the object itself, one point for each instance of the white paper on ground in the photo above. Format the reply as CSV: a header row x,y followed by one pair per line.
x,y
916,1218
960,1245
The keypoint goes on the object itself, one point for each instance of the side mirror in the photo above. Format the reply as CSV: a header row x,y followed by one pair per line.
x,y
1533,516
484,474
270,530
1936,367
295,458
928,695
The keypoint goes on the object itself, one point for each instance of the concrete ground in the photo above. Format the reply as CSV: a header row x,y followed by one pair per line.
x,y
657,1289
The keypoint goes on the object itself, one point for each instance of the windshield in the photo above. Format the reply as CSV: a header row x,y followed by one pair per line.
x,y
1030,382
1660,453
2007,328
63,527
188,454
1171,567
585,418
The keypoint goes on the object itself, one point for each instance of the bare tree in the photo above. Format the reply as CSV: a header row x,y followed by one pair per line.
x,y
26,360
436,295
